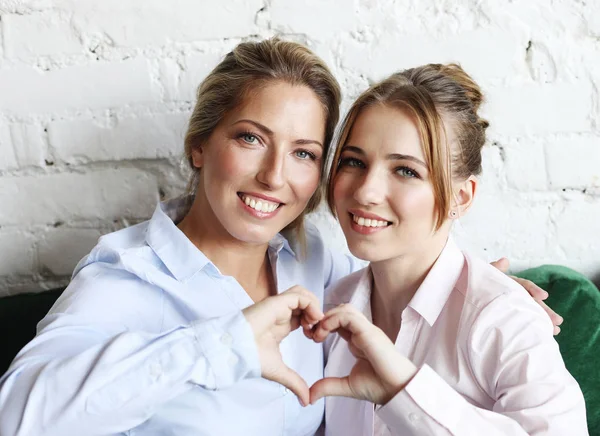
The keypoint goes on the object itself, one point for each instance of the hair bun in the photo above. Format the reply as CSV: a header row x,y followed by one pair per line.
x,y
472,90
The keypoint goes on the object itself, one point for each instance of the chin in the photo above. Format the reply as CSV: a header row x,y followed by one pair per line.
x,y
247,232
368,252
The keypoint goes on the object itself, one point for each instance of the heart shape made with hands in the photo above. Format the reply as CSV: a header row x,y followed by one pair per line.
x,y
379,373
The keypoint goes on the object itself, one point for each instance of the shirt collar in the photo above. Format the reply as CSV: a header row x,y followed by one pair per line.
x,y
181,257
432,295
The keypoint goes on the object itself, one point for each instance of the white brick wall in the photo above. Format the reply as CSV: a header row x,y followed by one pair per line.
x,y
95,95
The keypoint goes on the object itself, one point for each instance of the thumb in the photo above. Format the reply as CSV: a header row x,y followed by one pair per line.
x,y
291,380
502,264
330,387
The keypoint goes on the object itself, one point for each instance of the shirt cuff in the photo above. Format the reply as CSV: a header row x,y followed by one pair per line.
x,y
228,352
426,404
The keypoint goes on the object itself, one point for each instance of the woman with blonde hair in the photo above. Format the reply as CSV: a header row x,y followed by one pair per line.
x,y
441,342
186,324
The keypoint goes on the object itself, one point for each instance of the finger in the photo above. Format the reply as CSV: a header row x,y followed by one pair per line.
x,y
345,318
291,380
534,290
330,387
298,298
554,317
502,264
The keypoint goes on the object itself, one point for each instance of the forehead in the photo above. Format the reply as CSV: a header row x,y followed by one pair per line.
x,y
283,108
382,129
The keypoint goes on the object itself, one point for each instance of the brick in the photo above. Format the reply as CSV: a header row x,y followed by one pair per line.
x,y
540,109
17,253
39,34
380,57
156,22
181,84
574,162
28,144
144,137
525,165
291,17
577,229
97,195
8,160
26,90
60,249
506,224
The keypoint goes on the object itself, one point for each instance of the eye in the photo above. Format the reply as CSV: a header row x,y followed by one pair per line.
x,y
304,154
407,172
249,138
351,162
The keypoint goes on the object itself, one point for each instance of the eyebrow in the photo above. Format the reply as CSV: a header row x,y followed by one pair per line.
x,y
269,132
393,156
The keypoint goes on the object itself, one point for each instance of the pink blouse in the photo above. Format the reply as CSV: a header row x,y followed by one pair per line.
x,y
488,362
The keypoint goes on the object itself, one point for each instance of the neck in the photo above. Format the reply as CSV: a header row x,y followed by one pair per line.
x,y
396,281
247,263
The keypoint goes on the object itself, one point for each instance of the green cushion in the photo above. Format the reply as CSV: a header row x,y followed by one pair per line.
x,y
19,315
577,300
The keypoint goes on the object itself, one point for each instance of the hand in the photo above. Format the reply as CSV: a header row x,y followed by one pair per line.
x,y
272,319
534,290
380,371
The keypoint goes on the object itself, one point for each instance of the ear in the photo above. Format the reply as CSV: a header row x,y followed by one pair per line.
x,y
198,156
464,193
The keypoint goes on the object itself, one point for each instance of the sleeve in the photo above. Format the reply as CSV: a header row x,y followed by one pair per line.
x,y
516,360
80,375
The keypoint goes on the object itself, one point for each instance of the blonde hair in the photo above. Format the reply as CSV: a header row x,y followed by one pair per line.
x,y
245,69
430,93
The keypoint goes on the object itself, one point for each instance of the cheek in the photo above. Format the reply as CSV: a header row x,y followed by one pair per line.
x,y
305,179
341,188
415,201
230,163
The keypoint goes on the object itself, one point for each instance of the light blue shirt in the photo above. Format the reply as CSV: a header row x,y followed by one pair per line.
x,y
149,339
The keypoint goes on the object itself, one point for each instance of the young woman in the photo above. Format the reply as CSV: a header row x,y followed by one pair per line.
x,y
166,328
443,341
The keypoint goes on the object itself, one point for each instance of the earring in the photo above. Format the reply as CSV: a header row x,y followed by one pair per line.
x,y
452,214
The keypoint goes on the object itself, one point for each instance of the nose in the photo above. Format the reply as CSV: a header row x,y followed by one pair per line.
x,y
272,170
370,189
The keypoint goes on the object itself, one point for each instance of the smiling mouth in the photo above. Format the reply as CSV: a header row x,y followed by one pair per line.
x,y
367,222
259,204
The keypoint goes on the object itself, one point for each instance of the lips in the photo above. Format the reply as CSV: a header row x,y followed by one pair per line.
x,y
366,219
260,204
367,222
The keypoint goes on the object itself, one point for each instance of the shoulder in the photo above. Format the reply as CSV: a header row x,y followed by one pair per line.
x,y
342,290
120,249
112,285
485,284
504,312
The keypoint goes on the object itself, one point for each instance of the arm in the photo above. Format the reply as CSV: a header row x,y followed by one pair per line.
x,y
84,376
74,378
522,369
537,293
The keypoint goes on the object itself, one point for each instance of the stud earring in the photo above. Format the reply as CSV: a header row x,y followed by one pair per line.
x,y
452,214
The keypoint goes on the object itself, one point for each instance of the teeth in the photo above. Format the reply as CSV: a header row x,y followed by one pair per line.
x,y
368,222
260,205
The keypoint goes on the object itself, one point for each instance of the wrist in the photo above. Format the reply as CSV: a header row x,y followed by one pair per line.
x,y
404,372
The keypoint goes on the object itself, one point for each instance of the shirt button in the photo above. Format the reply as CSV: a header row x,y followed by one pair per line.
x,y
232,360
155,370
226,339
413,417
